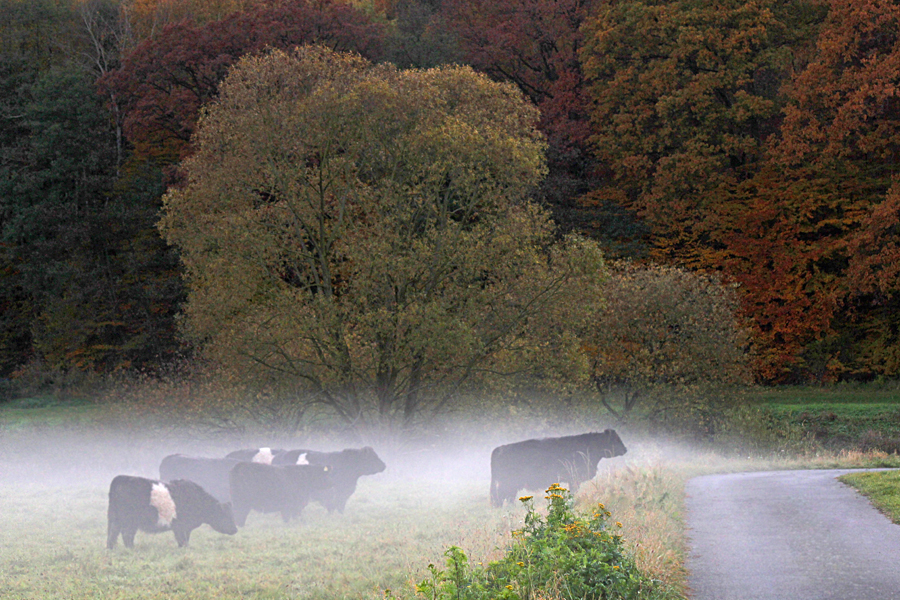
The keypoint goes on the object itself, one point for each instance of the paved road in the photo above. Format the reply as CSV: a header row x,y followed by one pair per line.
x,y
788,535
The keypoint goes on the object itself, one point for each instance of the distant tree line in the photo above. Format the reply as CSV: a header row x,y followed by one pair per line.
x,y
745,147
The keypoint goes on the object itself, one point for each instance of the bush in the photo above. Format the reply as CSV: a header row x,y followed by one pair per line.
x,y
562,555
666,338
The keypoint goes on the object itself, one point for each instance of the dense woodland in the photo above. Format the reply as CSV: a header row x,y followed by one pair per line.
x,y
753,142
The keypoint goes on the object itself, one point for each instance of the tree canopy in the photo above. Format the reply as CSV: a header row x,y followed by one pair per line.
x,y
363,234
756,141
665,331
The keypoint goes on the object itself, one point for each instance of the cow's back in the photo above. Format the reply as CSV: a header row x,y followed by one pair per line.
x,y
537,463
259,486
210,473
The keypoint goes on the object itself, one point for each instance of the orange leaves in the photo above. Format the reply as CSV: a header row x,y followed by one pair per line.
x,y
845,103
742,159
875,249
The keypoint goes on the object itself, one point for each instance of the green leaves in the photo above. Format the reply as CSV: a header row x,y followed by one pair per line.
x,y
363,234
561,555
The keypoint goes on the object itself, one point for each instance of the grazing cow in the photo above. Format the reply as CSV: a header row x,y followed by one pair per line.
x,y
536,464
346,467
210,473
269,488
257,455
153,506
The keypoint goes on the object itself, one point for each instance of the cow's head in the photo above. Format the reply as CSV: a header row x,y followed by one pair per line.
x,y
221,518
612,444
368,462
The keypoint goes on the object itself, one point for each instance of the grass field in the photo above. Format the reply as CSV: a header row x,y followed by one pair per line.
x,y
52,545
56,463
838,417
53,487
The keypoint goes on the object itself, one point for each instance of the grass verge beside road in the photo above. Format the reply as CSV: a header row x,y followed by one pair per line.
x,y
881,488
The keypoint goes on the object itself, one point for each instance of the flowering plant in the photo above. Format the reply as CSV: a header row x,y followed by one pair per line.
x,y
560,555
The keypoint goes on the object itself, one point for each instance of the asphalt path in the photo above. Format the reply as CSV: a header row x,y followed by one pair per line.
x,y
788,535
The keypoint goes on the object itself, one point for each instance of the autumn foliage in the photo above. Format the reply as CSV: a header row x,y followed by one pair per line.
x,y
361,234
166,80
750,143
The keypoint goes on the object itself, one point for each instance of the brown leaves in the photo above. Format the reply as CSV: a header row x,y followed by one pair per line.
x,y
664,327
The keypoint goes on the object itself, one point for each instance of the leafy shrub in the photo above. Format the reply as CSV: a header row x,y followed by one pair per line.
x,y
665,340
562,555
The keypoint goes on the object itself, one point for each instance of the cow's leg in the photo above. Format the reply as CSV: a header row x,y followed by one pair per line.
x,y
496,500
112,533
501,492
240,515
337,503
182,536
128,536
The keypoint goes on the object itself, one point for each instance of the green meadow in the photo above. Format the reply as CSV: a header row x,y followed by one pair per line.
x,y
56,462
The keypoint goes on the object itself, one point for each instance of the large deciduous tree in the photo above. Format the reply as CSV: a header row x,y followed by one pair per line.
x,y
361,234
831,174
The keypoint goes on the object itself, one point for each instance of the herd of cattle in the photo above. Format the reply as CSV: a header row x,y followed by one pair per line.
x,y
221,492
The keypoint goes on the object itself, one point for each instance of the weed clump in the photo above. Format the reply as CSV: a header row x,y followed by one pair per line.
x,y
561,555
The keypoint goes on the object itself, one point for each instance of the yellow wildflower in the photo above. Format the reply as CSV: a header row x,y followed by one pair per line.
x,y
525,498
618,524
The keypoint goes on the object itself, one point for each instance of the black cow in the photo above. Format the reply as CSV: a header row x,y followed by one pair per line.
x,y
153,506
346,467
210,473
536,464
268,488
259,455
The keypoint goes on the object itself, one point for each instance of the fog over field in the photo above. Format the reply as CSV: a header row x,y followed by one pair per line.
x,y
92,453
434,493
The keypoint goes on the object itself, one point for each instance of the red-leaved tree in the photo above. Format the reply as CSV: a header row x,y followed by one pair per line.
x,y
823,204
166,80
